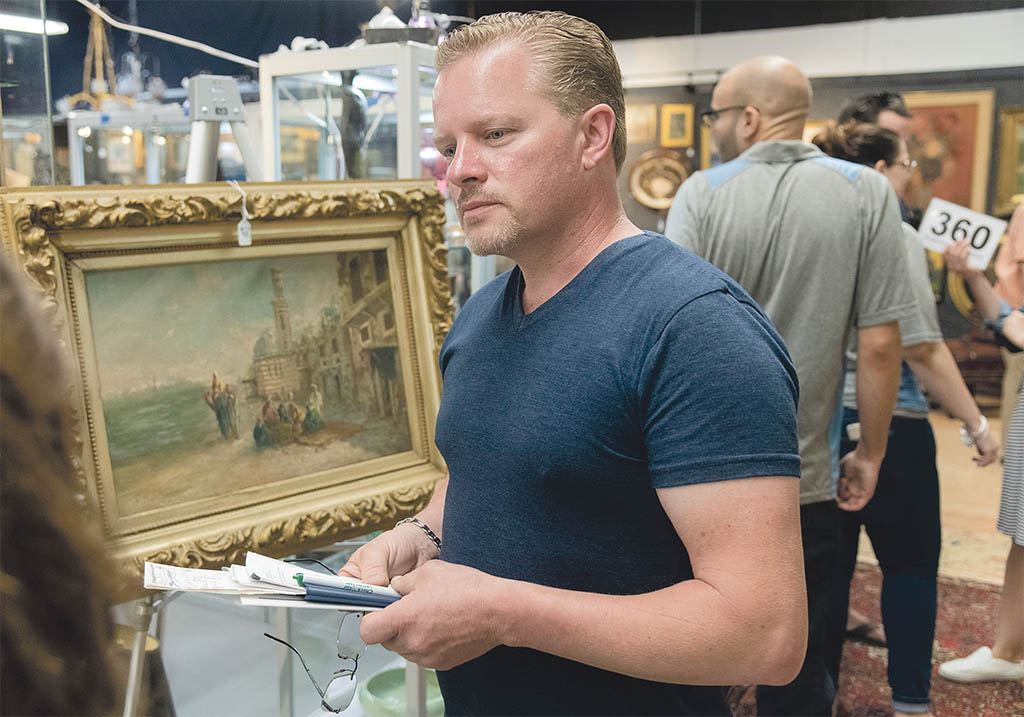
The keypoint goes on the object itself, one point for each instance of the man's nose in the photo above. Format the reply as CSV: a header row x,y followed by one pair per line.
x,y
466,166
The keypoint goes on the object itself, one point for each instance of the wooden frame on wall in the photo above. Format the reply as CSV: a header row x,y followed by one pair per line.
x,y
272,397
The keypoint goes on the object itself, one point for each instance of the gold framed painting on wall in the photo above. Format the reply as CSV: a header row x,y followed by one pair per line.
x,y
676,125
709,156
951,140
641,123
271,397
1010,169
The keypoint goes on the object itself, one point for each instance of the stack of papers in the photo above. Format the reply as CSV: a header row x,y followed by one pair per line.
x,y
268,582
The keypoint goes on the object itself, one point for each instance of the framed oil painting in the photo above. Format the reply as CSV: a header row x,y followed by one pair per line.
x,y
709,156
1010,171
951,140
271,397
676,125
641,123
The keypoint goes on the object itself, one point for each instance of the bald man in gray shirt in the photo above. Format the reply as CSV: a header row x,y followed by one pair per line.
x,y
818,243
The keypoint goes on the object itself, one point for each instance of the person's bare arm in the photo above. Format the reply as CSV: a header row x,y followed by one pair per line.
x,y
934,366
743,538
1013,328
878,378
400,550
985,296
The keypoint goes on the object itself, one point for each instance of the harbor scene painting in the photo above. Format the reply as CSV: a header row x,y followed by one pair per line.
x,y
220,376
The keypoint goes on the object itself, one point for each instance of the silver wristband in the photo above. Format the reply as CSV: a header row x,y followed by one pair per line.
x,y
426,531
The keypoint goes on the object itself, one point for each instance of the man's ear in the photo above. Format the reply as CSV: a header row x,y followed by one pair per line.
x,y
880,165
750,123
597,128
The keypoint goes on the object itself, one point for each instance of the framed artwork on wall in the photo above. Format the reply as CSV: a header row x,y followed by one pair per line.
x,y
676,125
641,123
709,156
271,397
1010,170
951,140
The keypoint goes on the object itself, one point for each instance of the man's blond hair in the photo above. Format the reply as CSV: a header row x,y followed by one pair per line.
x,y
576,59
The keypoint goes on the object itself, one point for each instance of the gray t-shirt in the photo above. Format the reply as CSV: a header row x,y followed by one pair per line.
x,y
817,242
921,327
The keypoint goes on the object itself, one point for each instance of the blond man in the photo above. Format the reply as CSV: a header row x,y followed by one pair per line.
x,y
614,537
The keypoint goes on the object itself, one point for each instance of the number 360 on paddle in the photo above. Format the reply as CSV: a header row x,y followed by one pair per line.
x,y
945,223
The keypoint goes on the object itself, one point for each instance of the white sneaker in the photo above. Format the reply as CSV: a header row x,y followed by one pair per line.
x,y
980,666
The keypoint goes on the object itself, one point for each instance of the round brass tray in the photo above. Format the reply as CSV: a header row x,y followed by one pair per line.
x,y
656,175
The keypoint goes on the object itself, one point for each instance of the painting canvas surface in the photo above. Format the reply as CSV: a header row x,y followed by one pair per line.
x,y
225,375
942,142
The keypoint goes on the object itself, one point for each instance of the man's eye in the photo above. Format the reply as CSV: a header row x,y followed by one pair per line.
x,y
496,134
448,152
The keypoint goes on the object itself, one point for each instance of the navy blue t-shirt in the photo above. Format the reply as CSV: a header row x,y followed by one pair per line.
x,y
650,369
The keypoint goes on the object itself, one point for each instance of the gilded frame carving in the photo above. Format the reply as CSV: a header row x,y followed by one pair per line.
x,y
62,236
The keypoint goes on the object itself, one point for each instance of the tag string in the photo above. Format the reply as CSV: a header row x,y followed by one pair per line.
x,y
245,211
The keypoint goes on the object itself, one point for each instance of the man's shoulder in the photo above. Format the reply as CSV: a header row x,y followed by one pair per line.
x,y
662,273
713,178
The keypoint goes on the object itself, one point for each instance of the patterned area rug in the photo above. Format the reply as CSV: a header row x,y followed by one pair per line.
x,y
966,620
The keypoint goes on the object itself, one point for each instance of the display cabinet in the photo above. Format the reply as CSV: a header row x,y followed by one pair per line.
x,y
362,112
25,108
146,144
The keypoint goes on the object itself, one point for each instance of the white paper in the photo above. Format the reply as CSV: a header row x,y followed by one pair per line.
x,y
241,576
170,577
275,572
945,222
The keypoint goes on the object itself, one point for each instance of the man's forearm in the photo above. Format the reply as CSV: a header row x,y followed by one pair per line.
x,y
878,378
690,633
433,514
936,369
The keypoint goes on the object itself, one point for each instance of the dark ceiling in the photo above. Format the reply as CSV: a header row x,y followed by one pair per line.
x,y
254,27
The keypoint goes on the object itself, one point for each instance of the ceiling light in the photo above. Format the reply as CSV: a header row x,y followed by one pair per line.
x,y
32,25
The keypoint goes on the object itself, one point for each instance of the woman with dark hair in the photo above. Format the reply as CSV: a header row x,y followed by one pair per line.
x,y
55,627
902,519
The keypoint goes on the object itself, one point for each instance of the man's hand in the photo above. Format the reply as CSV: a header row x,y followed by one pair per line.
x,y
394,552
448,616
988,449
858,476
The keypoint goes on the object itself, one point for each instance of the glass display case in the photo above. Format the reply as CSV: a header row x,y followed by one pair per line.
x,y
146,144
362,112
25,110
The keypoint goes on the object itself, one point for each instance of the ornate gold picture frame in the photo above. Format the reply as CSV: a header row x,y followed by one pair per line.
x,y
271,397
676,125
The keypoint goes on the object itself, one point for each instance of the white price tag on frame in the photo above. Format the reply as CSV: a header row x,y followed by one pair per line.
x,y
945,223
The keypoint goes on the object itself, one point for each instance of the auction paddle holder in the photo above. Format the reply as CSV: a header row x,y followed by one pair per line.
x,y
213,99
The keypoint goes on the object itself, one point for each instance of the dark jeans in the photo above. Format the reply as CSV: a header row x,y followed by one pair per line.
x,y
902,521
812,692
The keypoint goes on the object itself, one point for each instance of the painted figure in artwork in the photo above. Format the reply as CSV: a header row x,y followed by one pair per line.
x,y
314,411
221,399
